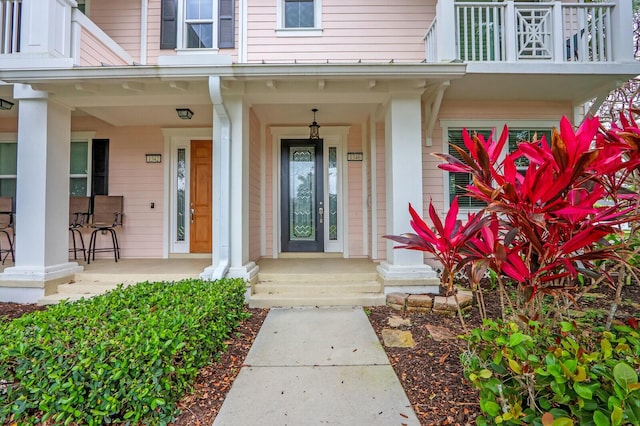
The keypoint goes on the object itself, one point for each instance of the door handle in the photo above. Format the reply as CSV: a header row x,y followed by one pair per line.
x,y
193,211
321,213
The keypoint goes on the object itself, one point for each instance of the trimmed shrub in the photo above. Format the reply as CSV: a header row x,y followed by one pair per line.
x,y
544,376
126,356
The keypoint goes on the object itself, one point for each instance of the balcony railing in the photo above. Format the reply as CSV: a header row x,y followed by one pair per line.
x,y
513,32
10,26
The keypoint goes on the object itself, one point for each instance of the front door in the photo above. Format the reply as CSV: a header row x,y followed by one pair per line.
x,y
200,197
302,196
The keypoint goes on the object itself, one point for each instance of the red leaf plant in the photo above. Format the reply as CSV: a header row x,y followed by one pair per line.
x,y
543,227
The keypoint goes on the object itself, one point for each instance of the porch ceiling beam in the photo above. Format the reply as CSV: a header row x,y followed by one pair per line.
x,y
133,86
182,86
104,115
271,84
321,84
86,87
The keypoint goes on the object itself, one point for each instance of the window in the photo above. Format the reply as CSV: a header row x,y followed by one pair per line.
x,y
299,14
83,6
197,24
79,170
457,182
8,174
301,17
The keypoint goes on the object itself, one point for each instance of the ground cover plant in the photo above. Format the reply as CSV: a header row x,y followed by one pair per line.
x,y
542,235
126,356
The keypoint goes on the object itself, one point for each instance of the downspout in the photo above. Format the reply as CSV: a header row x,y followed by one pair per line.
x,y
221,184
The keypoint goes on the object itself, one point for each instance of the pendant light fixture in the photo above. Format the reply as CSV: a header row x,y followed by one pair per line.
x,y
314,128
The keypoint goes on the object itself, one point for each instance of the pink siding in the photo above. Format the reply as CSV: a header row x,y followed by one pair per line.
x,y
254,187
140,184
353,199
120,19
94,53
381,192
9,124
372,30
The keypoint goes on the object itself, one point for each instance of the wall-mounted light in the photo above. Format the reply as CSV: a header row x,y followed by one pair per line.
x,y
184,113
355,156
314,128
153,158
6,105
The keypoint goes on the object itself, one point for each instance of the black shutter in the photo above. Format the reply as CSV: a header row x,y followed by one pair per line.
x,y
168,24
226,24
100,167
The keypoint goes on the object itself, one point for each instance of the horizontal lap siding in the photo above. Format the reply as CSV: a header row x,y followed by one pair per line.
x,y
120,19
372,30
94,53
354,199
140,184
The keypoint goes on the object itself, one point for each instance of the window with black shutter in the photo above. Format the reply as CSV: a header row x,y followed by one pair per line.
x,y
191,24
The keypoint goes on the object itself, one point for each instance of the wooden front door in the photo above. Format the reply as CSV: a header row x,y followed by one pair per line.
x,y
200,198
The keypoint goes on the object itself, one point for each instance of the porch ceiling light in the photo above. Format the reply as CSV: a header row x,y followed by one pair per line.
x,y
184,113
6,105
314,128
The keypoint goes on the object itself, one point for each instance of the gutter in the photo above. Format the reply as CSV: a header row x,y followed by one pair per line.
x,y
221,184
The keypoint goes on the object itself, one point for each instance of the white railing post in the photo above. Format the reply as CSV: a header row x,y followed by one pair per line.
x,y
446,34
46,27
621,31
510,33
9,26
559,49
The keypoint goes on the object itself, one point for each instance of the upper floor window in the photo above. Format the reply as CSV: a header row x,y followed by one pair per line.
x,y
83,6
197,24
457,182
299,14
301,17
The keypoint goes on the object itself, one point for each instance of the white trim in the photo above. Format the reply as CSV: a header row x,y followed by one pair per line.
x,y
365,191
174,139
144,28
476,124
332,136
8,137
263,191
243,46
373,141
314,31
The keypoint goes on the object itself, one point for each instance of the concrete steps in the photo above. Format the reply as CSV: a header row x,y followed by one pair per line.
x,y
342,288
87,285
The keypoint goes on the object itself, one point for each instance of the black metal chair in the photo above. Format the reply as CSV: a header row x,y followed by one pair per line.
x,y
78,218
7,227
106,215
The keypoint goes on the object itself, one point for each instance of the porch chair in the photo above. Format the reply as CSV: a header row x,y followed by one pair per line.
x,y
106,215
78,218
7,227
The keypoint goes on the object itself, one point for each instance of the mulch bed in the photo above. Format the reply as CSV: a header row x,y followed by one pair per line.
x,y
430,372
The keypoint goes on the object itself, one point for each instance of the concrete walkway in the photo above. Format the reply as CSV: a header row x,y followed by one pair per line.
x,y
312,366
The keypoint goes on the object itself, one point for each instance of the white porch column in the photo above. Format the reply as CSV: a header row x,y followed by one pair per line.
x,y
42,200
241,266
404,270
230,218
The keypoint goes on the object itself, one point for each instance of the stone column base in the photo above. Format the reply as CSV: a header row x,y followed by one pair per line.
x,y
411,279
23,284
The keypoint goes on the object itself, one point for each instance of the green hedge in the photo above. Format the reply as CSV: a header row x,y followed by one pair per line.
x,y
541,375
127,356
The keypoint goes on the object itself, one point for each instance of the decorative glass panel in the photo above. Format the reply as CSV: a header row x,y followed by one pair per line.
x,y
299,14
302,192
333,193
8,158
181,185
79,158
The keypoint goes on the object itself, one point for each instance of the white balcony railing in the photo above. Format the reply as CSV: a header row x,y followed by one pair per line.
x,y
513,32
10,26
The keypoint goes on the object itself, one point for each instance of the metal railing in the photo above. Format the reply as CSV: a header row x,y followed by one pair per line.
x,y
513,32
10,13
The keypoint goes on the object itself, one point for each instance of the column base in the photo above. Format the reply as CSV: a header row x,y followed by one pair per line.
x,y
411,279
248,272
26,284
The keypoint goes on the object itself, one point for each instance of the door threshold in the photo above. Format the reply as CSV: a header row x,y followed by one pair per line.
x,y
189,255
309,255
